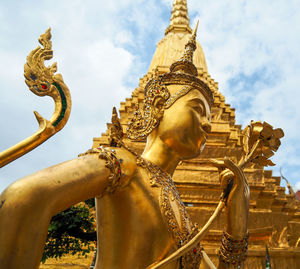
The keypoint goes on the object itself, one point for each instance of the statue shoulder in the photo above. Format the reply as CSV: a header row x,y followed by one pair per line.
x,y
121,163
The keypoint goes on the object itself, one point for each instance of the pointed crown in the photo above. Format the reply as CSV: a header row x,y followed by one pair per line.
x,y
182,72
185,63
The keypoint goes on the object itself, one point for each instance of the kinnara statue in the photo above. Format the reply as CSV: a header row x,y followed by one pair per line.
x,y
141,220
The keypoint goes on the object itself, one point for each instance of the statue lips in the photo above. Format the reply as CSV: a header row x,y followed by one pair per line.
x,y
202,138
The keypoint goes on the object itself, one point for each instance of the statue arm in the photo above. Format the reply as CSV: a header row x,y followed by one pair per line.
x,y
27,206
235,236
236,226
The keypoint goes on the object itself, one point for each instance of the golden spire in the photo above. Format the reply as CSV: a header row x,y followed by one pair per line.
x,y
179,21
171,47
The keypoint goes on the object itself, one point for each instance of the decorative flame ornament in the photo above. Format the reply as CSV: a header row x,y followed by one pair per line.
x,y
42,81
260,141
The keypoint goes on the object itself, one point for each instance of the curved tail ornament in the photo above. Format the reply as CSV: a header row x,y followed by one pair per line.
x,y
42,81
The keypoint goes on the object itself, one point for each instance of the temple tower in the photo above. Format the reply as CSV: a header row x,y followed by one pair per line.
x,y
274,215
170,48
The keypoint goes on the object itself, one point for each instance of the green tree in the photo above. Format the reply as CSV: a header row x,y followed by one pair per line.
x,y
71,232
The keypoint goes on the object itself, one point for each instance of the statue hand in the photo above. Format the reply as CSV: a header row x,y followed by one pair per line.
x,y
238,199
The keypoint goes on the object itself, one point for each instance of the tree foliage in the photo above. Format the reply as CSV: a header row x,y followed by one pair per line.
x,y
71,232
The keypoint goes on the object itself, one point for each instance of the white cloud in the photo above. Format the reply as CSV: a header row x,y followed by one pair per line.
x,y
251,49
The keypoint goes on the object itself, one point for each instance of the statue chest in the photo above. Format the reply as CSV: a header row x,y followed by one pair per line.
x,y
174,214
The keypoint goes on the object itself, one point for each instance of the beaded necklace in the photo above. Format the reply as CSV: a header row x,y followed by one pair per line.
x,y
169,194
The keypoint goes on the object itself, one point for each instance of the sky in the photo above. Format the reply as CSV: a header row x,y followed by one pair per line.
x,y
102,48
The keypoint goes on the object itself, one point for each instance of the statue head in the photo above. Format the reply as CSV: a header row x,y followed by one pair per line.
x,y
176,107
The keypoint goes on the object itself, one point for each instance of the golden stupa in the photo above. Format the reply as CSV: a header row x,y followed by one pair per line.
x,y
274,219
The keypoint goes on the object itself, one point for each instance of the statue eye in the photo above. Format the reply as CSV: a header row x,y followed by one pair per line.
x,y
198,105
199,109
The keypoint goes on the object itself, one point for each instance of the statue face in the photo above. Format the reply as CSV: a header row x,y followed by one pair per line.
x,y
186,124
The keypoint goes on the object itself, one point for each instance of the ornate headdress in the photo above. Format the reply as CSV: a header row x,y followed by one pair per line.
x,y
182,72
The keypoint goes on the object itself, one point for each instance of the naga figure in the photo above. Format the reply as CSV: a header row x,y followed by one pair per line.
x,y
141,220
42,81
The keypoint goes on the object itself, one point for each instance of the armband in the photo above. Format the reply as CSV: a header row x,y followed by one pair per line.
x,y
112,163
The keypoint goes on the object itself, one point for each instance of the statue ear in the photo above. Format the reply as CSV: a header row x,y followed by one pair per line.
x,y
158,105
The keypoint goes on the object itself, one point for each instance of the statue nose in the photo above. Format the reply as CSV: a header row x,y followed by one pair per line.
x,y
206,126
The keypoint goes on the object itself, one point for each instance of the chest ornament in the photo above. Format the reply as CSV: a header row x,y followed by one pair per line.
x,y
186,230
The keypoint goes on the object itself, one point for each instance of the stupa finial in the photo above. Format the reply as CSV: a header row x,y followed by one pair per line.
x,y
179,21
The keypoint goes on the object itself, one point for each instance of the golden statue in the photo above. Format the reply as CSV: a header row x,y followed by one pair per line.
x,y
141,219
